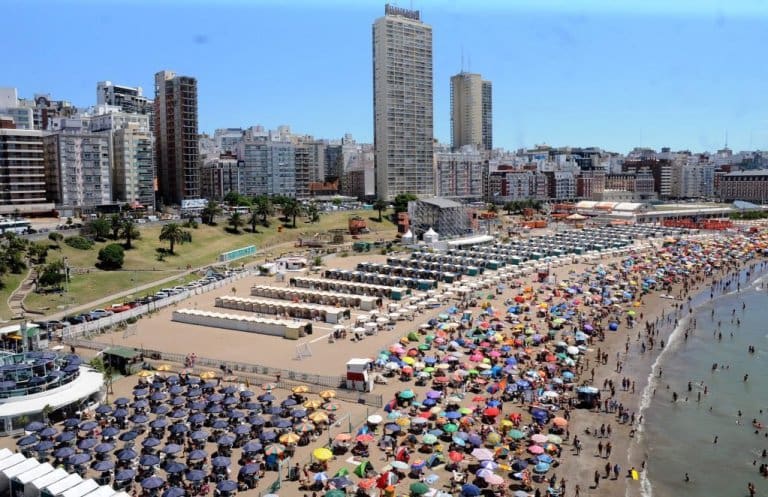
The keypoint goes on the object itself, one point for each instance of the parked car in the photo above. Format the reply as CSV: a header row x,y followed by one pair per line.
x,y
119,308
161,295
100,313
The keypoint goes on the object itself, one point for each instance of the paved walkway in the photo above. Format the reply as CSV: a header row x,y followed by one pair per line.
x,y
16,299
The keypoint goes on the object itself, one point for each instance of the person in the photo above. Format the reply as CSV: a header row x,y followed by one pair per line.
x,y
687,478
751,489
597,478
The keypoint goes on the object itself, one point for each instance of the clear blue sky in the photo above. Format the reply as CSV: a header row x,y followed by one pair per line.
x,y
610,73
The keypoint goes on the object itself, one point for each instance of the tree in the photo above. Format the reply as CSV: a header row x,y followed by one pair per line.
x,y
112,256
98,228
210,211
48,409
12,256
493,208
401,201
236,221
115,224
173,234
56,238
38,252
336,201
236,199
129,231
380,205
52,275
291,209
313,213
253,219
263,207
510,207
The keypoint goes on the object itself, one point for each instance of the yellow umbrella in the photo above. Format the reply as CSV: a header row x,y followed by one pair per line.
x,y
318,417
164,367
145,374
505,423
328,394
312,404
322,454
208,375
300,389
409,360
403,421
289,438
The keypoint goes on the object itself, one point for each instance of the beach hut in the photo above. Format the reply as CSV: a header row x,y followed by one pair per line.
x,y
34,488
20,482
13,471
59,487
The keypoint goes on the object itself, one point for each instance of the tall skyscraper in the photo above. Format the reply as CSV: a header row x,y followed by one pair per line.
x,y
178,171
402,104
471,111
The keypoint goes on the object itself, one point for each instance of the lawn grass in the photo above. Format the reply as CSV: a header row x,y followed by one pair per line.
x,y
142,266
10,283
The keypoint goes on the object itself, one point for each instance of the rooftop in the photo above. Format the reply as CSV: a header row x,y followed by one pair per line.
x,y
441,202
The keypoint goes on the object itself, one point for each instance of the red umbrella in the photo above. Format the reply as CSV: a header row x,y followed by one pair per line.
x,y
455,456
491,412
478,398
365,438
367,484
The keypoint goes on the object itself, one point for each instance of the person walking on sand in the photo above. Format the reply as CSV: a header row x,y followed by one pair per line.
x,y
597,479
577,491
600,448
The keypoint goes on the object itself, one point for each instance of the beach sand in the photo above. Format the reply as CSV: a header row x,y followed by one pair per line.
x,y
158,332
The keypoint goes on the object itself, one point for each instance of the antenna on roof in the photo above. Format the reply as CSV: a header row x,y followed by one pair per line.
x,y
726,138
462,58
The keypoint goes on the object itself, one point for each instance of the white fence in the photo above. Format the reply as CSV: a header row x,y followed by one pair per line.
x,y
84,330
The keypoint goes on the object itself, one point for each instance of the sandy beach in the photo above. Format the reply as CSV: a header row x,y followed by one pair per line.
x,y
621,375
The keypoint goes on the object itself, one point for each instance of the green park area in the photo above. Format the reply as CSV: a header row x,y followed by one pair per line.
x,y
149,259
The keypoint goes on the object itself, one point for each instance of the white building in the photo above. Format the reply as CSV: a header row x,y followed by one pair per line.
x,y
460,173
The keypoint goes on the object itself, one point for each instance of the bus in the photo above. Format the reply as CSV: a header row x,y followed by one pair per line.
x,y
18,226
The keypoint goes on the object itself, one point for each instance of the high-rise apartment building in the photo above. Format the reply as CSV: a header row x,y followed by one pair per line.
x,y
269,167
22,172
128,98
471,111
402,104
134,166
178,171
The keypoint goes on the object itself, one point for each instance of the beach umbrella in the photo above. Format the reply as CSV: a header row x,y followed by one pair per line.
x,y
554,439
560,422
34,426
109,431
252,446
276,449
126,455
125,475
290,438
539,438
174,492
221,462
197,455
195,475
407,394
43,446
536,449
149,460
470,490
249,469
78,459
482,454
541,467
27,441
418,488
328,394
172,449
429,439
322,454
226,486
47,432
175,468
335,493
318,417
152,482
64,452
103,466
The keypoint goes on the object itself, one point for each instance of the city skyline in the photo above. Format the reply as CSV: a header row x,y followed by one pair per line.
x,y
562,74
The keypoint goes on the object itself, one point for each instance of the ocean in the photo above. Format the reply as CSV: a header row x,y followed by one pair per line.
x,y
679,437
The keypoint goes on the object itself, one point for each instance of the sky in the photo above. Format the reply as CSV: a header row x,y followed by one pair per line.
x,y
609,73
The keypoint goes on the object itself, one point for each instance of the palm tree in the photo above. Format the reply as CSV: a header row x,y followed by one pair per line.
x,y
493,208
129,231
210,211
292,208
173,234
115,223
253,219
263,207
380,205
313,213
509,207
236,221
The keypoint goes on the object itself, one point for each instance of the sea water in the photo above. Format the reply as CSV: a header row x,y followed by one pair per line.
x,y
679,437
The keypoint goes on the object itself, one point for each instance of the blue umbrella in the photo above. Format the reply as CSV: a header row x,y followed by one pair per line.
x,y
267,436
120,413
126,455
87,443
109,431
180,413
216,397
174,492
221,462
139,419
47,432
43,446
129,435
197,418
545,458
228,401
140,404
453,415
175,468
226,486
104,466
176,390
225,440
252,446
158,424
152,482
267,397
519,465
470,490
89,425
197,455
194,393
249,469
195,475
64,452
141,392
256,420
220,424
197,405
459,441
122,401
289,402
228,390
283,423
67,436
241,429
149,460
475,439
125,474
103,448
172,449
71,422
78,459
27,441
104,409
34,426
541,467
246,394
178,401
234,414
179,428
199,435
158,396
